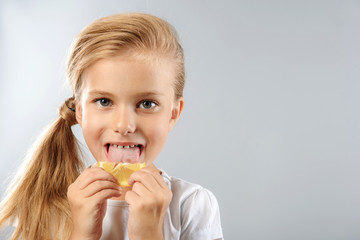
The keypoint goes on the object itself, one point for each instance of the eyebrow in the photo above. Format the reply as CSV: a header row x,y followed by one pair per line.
x,y
138,95
101,93
149,94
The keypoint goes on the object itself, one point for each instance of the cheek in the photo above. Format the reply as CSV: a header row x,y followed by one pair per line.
x,y
157,131
92,127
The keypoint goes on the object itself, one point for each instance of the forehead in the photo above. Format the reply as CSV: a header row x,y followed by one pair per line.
x,y
125,72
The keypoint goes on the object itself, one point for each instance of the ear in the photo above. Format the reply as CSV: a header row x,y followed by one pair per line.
x,y
176,112
78,112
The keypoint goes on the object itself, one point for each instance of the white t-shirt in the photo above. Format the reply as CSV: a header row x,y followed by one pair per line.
x,y
193,214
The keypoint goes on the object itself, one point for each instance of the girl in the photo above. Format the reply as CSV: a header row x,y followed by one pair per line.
x,y
127,77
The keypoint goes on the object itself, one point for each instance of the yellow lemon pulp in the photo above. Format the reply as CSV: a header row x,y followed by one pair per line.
x,y
121,171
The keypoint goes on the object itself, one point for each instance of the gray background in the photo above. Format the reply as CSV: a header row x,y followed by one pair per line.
x,y
271,123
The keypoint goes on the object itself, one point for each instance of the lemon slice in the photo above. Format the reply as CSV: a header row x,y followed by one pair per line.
x,y
121,171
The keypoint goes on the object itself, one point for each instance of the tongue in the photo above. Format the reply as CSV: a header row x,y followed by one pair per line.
x,y
124,155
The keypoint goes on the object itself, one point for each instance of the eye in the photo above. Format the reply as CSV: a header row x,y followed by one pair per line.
x,y
147,104
104,102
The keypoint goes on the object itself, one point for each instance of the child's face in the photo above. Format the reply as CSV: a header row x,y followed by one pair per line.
x,y
126,101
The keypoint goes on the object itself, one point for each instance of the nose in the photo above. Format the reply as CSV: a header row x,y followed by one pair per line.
x,y
124,121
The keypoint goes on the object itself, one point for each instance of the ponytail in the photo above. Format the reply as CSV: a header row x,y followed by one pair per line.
x,y
36,200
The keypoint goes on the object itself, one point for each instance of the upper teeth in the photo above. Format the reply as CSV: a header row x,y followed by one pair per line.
x,y
126,147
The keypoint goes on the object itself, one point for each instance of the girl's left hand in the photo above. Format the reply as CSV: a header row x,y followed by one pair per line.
x,y
148,201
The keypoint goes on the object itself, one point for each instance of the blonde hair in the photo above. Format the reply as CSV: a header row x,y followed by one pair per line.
x,y
36,199
135,33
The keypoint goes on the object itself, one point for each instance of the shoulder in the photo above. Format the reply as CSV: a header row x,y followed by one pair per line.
x,y
188,193
197,208
180,188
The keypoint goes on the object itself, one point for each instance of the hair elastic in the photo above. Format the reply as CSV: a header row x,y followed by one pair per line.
x,y
67,103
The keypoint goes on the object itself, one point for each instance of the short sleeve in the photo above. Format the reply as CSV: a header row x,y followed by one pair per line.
x,y
200,217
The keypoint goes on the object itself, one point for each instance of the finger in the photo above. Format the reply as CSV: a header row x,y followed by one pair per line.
x,y
143,177
147,179
140,189
93,174
131,197
157,175
105,194
98,186
141,195
150,178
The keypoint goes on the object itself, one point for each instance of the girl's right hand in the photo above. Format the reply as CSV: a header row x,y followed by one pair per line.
x,y
87,198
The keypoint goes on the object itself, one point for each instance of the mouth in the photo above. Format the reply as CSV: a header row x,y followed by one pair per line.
x,y
123,152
